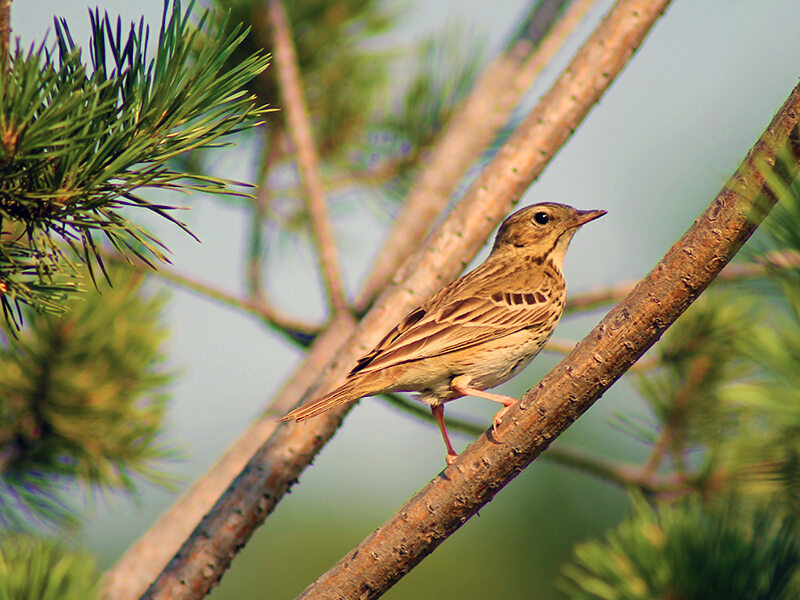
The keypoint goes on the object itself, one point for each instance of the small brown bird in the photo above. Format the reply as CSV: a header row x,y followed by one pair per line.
x,y
480,330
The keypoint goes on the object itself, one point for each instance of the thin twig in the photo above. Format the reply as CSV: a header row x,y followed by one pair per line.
x,y
542,414
275,467
270,155
297,330
483,114
620,473
299,125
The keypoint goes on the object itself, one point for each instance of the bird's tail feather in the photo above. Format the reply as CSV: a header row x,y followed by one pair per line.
x,y
350,391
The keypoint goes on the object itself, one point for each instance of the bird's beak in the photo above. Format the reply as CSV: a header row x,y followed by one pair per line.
x,y
584,216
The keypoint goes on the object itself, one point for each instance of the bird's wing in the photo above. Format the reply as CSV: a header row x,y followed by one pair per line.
x,y
461,322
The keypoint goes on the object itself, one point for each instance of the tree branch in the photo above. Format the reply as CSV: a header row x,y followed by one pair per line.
x,y
574,385
483,114
276,465
564,347
5,32
289,326
299,125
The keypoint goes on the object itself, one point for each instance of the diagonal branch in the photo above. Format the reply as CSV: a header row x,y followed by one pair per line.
x,y
275,467
299,125
483,114
575,384
295,329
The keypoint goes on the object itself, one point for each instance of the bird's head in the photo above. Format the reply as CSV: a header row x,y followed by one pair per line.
x,y
542,230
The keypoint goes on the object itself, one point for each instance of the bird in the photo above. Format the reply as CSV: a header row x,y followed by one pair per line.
x,y
477,332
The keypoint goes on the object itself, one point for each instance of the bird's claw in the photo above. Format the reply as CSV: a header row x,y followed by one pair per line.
x,y
498,419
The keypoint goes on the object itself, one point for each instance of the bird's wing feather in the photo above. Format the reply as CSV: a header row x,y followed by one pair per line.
x,y
458,323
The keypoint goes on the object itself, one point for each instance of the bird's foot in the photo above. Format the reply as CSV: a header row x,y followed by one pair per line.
x,y
498,417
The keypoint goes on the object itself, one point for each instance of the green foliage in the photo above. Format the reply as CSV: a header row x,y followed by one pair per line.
x,y
82,397
78,143
764,457
689,552
37,569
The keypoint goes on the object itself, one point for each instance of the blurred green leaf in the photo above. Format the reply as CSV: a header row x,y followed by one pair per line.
x,y
82,398
36,569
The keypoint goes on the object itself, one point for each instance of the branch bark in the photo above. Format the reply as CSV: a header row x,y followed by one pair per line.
x,y
471,129
545,411
276,465
5,32
299,126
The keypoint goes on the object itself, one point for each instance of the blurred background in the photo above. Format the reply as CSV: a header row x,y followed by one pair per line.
x,y
653,153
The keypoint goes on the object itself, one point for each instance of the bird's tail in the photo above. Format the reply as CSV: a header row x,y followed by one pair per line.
x,y
350,391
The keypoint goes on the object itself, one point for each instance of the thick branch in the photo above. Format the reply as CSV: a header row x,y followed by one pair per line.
x,y
573,386
483,114
275,467
299,125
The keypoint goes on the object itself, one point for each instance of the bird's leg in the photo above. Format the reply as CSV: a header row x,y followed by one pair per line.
x,y
461,383
438,416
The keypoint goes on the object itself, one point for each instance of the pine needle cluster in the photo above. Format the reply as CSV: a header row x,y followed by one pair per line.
x,y
82,137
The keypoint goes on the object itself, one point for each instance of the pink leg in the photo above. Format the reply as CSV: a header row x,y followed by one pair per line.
x,y
438,416
461,385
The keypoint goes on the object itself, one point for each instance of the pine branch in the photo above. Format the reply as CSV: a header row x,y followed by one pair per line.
x,y
564,347
79,143
83,401
483,114
575,384
278,463
671,438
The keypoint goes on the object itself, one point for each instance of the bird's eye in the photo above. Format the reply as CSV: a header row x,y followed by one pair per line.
x,y
541,218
